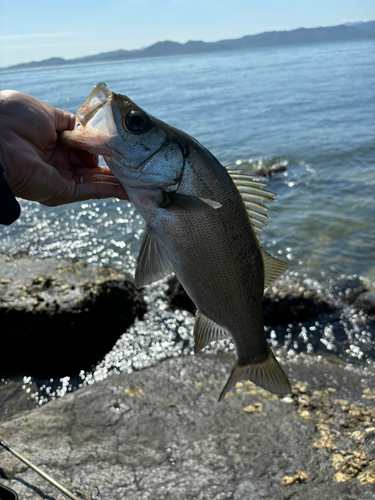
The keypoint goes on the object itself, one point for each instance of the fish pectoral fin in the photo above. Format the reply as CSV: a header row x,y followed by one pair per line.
x,y
273,268
267,374
153,263
206,331
190,203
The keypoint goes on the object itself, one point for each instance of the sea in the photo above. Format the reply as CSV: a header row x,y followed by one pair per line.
x,y
308,108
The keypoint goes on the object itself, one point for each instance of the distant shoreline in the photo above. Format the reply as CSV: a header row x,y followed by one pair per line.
x,y
301,36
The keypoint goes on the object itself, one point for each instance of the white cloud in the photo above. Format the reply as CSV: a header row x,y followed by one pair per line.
x,y
34,35
45,45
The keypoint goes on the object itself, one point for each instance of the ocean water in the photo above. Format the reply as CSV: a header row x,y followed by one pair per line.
x,y
310,108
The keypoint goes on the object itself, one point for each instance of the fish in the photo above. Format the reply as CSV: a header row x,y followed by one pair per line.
x,y
202,223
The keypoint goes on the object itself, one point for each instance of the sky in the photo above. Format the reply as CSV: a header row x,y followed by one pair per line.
x,y
40,29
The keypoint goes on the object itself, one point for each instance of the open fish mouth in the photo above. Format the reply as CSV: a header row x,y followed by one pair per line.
x,y
95,125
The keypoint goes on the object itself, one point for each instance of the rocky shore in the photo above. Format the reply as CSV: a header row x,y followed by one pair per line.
x,y
159,433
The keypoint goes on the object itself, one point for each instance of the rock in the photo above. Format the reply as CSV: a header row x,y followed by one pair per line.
x,y
272,170
263,168
290,302
160,434
366,302
13,399
58,317
283,303
354,292
177,297
350,290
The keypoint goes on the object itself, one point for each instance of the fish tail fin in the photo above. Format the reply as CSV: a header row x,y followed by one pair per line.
x,y
266,373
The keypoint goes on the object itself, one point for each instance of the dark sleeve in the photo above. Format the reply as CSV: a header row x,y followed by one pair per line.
x,y
9,207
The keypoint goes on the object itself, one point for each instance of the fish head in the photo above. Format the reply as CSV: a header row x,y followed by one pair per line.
x,y
130,139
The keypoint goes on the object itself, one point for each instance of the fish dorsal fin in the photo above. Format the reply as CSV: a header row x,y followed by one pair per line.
x,y
253,196
206,331
153,263
273,268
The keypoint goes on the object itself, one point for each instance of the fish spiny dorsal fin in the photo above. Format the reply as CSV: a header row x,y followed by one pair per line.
x,y
206,331
253,194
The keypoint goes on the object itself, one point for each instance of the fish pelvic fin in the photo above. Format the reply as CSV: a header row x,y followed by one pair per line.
x,y
266,373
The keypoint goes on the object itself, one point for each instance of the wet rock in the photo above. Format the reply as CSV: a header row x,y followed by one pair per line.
x,y
283,303
354,292
58,317
160,434
272,170
366,302
350,290
263,168
290,302
13,399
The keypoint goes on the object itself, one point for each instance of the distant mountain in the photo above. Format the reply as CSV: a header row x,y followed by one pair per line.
x,y
343,33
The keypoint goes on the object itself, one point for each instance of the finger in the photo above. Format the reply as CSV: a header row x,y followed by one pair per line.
x,y
94,190
83,158
88,178
103,179
97,183
93,171
64,120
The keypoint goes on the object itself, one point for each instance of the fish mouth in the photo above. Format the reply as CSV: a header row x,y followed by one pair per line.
x,y
95,126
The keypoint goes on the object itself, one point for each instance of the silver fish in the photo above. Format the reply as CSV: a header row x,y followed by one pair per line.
x,y
203,222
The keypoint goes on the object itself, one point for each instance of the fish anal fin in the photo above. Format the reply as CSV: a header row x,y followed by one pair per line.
x,y
273,268
153,263
206,331
266,373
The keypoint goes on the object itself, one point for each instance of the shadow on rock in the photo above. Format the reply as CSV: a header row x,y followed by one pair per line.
x,y
59,317
282,303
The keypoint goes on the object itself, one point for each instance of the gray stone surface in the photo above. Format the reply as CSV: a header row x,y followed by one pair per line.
x,y
160,434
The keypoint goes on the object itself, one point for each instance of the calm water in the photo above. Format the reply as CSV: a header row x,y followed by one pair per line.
x,y
310,107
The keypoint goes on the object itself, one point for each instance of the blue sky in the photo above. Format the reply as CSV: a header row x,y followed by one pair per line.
x,y
72,28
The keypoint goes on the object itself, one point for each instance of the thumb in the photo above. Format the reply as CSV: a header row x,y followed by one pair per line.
x,y
64,120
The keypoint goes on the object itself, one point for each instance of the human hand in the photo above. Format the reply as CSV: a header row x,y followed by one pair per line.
x,y
37,166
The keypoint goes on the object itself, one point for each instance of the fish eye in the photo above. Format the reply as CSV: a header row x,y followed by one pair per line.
x,y
137,121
